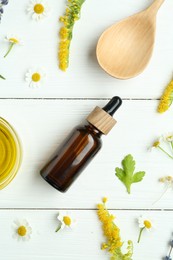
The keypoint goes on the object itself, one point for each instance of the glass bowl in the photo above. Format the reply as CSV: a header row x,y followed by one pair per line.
x,y
10,153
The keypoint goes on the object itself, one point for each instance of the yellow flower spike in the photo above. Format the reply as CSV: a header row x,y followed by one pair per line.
x,y
72,14
113,242
166,99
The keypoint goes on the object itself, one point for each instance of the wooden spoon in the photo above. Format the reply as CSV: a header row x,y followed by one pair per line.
x,y
125,48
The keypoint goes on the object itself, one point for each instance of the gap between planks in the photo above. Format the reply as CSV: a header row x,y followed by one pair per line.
x,y
81,209
88,99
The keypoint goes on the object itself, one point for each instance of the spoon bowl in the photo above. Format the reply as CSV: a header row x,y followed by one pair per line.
x,y
125,49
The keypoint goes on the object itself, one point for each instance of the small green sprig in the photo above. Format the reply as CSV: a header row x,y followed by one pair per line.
x,y
127,175
1,77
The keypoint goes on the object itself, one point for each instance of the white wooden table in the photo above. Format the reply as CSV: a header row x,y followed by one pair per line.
x,y
44,116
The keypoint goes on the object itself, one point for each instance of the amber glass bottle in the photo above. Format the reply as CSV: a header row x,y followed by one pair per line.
x,y
80,147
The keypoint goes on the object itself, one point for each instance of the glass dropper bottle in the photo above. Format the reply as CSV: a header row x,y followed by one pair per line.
x,y
80,147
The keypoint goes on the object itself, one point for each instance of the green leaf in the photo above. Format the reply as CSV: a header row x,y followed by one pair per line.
x,y
127,175
119,173
137,177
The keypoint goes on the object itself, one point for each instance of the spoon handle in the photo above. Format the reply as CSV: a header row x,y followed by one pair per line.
x,y
153,9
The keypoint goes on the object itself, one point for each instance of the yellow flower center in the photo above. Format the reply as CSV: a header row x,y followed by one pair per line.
x,y
38,8
21,231
36,77
67,220
147,224
13,40
169,138
156,144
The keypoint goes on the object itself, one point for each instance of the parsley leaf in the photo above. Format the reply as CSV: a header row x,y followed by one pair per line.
x,y
127,175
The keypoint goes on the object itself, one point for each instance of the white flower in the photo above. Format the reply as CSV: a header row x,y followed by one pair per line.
x,y
22,230
65,220
35,77
12,40
145,222
155,145
169,138
38,9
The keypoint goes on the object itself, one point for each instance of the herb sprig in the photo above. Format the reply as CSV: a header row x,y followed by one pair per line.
x,y
127,175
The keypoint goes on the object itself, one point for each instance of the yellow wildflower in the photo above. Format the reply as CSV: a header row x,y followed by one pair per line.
x,y
72,14
166,99
113,242
104,199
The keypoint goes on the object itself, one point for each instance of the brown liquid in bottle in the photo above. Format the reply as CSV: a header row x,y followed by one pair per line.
x,y
80,147
72,157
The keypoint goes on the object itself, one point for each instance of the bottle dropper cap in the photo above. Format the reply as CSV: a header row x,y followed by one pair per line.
x,y
101,118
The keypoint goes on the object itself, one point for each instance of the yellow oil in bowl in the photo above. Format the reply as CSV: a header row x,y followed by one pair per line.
x,y
10,153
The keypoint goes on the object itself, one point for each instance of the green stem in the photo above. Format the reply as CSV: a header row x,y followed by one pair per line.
x,y
165,152
58,228
10,48
168,186
140,234
172,145
1,77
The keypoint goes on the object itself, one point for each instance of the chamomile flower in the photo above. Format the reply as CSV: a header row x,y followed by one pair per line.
x,y
65,221
35,77
168,183
22,230
12,40
158,145
169,138
38,9
144,223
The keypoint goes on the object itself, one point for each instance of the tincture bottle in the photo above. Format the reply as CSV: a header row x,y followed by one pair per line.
x,y
80,147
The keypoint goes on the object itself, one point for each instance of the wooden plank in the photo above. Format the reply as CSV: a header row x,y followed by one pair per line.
x,y
82,242
84,77
43,124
